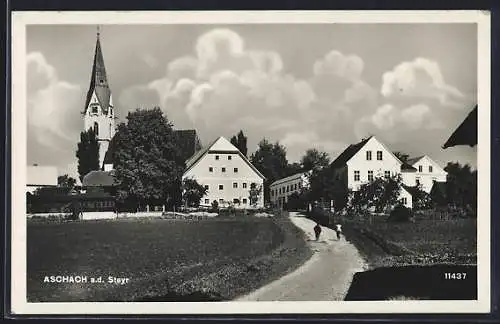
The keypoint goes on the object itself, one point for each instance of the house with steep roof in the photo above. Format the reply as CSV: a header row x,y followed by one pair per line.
x,y
427,172
227,175
364,161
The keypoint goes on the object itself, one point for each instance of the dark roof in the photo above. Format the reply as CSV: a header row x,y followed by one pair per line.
x,y
413,160
412,190
466,133
439,187
348,153
405,167
99,80
99,179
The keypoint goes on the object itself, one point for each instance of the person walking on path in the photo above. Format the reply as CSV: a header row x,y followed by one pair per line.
x,y
317,231
338,230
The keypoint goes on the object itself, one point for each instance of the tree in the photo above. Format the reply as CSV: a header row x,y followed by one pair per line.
x,y
402,156
65,181
421,199
240,141
293,168
326,185
87,153
380,194
193,192
314,159
461,185
270,160
254,194
148,164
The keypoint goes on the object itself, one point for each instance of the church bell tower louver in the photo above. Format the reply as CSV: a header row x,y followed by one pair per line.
x,y
99,110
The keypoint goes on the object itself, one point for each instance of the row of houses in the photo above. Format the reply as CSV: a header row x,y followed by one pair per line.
x,y
361,163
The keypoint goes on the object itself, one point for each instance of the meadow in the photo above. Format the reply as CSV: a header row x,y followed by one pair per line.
x,y
164,260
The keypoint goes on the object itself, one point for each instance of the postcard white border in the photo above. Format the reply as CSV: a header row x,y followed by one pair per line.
x,y
19,140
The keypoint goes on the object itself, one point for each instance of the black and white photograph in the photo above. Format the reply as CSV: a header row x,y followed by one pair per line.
x,y
218,162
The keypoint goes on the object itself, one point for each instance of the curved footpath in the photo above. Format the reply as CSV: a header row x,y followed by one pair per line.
x,y
325,276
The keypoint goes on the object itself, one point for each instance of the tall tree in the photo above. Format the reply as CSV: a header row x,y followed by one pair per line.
x,y
240,141
379,194
148,164
402,156
87,153
270,160
461,185
314,159
193,192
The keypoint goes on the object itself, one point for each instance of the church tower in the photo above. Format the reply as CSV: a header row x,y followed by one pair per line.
x,y
99,111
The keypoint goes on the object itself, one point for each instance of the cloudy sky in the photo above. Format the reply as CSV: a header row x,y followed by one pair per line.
x,y
307,85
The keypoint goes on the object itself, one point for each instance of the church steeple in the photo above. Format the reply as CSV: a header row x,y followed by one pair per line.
x,y
98,113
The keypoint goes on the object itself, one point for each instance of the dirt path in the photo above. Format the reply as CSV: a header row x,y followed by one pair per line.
x,y
326,276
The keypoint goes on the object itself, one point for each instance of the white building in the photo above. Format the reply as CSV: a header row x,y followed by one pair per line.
x,y
226,173
362,162
40,176
427,171
282,189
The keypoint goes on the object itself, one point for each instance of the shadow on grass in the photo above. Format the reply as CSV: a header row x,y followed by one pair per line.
x,y
415,282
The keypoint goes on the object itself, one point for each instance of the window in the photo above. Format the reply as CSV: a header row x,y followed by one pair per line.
x,y
229,157
206,187
210,169
287,188
244,185
417,180
430,168
280,190
221,187
216,157
300,184
420,168
235,170
387,174
252,185
207,201
404,201
110,130
236,201
221,201
94,109
295,187
223,169
96,128
356,175
368,155
111,112
235,184
244,200
379,155
370,175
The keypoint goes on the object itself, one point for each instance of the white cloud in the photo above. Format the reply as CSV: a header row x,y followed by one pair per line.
x,y
419,78
335,63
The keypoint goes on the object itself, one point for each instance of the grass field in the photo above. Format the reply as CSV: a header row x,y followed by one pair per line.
x,y
163,259
423,242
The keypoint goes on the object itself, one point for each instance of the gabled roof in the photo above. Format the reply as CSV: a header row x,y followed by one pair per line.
x,y
405,167
99,179
466,132
348,153
439,187
220,144
412,190
99,81
413,160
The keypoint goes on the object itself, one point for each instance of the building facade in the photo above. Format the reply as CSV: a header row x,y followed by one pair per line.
x,y
282,189
363,162
427,172
227,175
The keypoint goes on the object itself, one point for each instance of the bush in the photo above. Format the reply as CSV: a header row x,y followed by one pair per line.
x,y
215,207
400,214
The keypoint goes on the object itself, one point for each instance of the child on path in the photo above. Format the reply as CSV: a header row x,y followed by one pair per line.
x,y
338,230
317,231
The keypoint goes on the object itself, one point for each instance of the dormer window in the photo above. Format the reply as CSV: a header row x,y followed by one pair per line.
x,y
94,109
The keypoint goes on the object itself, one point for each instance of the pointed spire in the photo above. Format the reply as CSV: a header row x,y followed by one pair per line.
x,y
99,81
